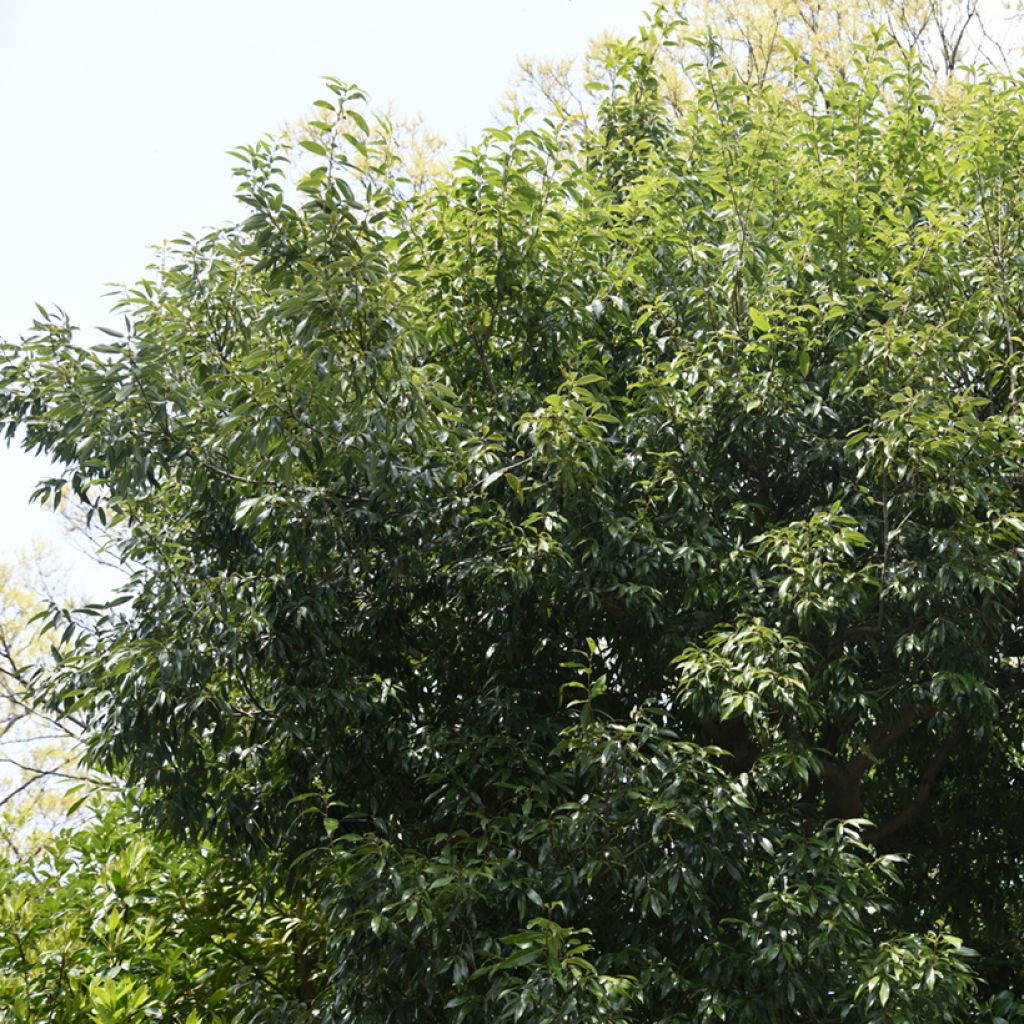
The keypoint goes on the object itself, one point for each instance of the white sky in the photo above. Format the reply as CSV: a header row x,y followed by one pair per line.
x,y
116,115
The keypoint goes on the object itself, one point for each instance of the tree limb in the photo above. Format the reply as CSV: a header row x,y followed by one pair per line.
x,y
925,785
886,735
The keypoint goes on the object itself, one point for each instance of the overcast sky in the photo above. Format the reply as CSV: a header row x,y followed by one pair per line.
x,y
116,116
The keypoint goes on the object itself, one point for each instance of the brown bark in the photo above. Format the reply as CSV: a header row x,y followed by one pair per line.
x,y
732,735
842,780
842,791
885,736
925,785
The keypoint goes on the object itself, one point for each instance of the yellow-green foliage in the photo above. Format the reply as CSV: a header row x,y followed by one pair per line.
x,y
108,925
38,752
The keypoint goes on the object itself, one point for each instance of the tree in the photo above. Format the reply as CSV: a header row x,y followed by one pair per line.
x,y
760,41
942,34
591,585
38,751
111,925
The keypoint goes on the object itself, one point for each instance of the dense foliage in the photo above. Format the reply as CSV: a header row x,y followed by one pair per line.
x,y
110,925
589,585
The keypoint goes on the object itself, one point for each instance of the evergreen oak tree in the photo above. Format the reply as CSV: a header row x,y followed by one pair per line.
x,y
588,587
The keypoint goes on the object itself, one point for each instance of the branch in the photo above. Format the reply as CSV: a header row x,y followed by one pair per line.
x,y
732,735
885,736
925,786
22,697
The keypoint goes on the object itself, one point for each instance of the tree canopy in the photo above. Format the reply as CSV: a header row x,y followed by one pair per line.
x,y
109,924
587,586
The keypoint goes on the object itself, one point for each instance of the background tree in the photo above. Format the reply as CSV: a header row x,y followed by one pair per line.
x,y
943,34
39,753
590,585
108,924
